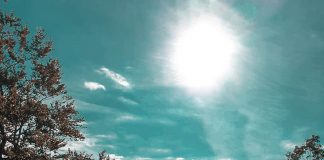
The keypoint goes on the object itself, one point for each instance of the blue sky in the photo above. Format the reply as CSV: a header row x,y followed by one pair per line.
x,y
185,79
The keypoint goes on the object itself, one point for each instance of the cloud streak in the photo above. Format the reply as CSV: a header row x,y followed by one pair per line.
x,y
116,157
127,101
94,86
288,145
116,77
127,117
90,145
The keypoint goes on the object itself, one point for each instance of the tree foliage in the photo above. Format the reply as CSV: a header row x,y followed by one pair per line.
x,y
37,116
311,150
73,155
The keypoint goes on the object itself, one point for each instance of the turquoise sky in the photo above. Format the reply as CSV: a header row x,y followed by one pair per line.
x,y
116,58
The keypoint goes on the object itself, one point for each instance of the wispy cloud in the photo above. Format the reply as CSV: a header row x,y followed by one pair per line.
x,y
90,145
110,136
249,140
127,117
94,86
116,157
142,158
161,150
115,115
158,150
116,77
86,145
166,122
287,145
174,158
127,101
91,107
224,159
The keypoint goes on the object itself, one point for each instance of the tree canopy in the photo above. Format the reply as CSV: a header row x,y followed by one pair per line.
x,y
37,116
310,150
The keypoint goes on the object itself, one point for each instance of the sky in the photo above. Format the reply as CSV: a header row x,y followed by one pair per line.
x,y
189,79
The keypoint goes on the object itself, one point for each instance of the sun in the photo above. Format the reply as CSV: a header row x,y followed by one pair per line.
x,y
203,54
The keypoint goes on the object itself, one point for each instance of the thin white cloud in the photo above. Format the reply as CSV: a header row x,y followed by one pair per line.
x,y
111,147
224,159
127,117
127,101
129,67
91,107
174,158
166,122
90,145
287,145
116,77
94,86
159,150
116,157
110,136
86,145
116,115
142,158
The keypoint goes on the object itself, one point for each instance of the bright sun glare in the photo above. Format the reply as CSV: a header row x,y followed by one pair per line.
x,y
203,54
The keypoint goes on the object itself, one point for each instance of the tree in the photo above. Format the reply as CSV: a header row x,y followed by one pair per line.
x,y
37,116
311,150
73,155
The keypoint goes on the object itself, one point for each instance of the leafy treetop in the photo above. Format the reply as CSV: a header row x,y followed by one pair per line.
x,y
311,150
37,116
